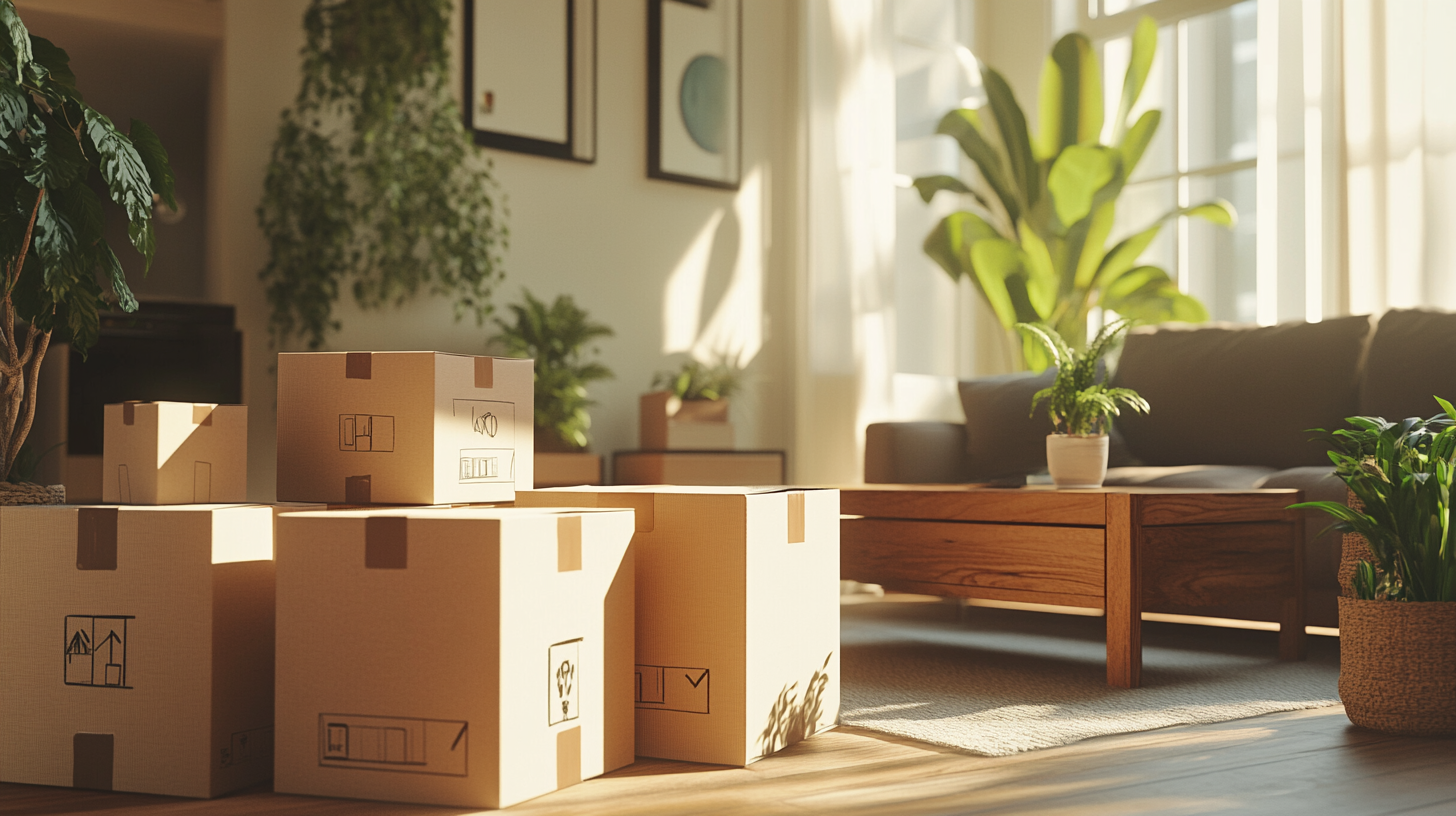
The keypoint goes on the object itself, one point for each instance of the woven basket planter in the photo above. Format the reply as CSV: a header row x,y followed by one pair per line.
x,y
18,494
1398,666
1354,549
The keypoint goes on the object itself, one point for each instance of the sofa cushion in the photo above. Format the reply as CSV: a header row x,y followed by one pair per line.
x,y
1402,371
1002,437
1216,477
1240,395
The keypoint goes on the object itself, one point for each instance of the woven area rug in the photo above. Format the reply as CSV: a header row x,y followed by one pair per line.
x,y
997,682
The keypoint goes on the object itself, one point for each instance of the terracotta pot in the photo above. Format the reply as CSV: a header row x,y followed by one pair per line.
x,y
1076,460
1398,666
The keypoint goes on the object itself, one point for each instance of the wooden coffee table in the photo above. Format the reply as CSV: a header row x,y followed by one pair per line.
x,y
1122,550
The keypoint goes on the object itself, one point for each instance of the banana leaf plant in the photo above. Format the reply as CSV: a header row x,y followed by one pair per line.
x,y
1037,249
53,253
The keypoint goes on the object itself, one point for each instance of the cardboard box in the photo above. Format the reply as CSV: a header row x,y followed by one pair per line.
x,y
669,423
475,657
163,680
174,453
564,469
724,468
737,615
403,427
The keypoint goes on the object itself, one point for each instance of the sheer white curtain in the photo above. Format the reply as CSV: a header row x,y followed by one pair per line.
x,y
846,347
1400,144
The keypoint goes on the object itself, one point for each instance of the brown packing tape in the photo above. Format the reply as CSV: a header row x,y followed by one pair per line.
x,y
358,365
568,543
128,412
484,372
92,758
796,518
386,543
96,538
202,413
356,489
568,757
643,504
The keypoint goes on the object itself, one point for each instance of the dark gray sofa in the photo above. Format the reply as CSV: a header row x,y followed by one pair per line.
x,y
1231,405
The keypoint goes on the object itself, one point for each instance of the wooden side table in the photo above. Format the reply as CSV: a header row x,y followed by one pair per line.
x,y
1121,550
718,467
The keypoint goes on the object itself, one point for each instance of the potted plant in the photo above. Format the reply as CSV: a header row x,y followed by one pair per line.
x,y
59,270
1035,241
1398,615
1080,404
688,408
558,338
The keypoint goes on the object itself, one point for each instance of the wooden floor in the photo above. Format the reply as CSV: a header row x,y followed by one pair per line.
x,y
1311,762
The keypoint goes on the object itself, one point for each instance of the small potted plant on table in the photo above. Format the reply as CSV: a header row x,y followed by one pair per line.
x,y
1081,405
557,338
1398,613
688,408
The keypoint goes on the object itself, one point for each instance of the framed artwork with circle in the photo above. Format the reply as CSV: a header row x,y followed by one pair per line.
x,y
530,76
694,91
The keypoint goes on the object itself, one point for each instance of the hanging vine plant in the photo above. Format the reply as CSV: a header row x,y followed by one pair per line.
x,y
374,184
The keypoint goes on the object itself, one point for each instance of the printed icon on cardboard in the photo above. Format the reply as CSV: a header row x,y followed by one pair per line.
x,y
563,682
96,650
394,744
673,688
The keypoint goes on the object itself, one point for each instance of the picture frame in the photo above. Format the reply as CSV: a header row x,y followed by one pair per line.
x,y
694,91
516,57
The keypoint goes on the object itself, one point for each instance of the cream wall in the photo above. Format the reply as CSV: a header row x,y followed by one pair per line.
x,y
603,233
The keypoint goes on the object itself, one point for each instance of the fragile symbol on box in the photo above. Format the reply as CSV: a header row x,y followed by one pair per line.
x,y
673,688
366,433
402,744
95,650
563,681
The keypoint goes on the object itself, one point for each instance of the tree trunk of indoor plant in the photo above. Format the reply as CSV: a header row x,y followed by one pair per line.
x,y
1077,460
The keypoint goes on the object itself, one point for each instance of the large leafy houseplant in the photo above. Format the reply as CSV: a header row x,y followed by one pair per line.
x,y
557,337
1036,247
1402,472
374,185
52,248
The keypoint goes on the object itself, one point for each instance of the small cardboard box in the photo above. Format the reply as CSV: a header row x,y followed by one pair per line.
x,y
737,615
138,647
666,422
406,427
174,453
475,657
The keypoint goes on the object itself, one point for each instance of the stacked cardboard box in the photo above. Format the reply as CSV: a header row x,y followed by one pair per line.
x,y
162,682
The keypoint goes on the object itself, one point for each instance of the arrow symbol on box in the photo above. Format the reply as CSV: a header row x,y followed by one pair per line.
x,y
459,736
697,681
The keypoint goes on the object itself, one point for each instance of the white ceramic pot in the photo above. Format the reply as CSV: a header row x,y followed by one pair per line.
x,y
1077,461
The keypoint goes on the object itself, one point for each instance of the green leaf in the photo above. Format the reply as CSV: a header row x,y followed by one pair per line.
x,y
1094,244
56,243
949,243
1148,294
1000,268
57,65
1011,122
1122,256
14,109
1218,212
122,168
57,160
965,127
154,158
1137,138
108,260
1077,176
18,36
1043,283
144,239
1140,62
1071,96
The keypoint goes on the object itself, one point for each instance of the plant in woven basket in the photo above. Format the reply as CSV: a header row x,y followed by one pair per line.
x,y
1402,474
53,250
556,337
1079,402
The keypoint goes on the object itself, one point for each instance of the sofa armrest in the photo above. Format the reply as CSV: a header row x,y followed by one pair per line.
x,y
915,453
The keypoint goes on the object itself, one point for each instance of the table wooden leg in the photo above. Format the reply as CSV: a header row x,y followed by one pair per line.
x,y
1123,593
1292,638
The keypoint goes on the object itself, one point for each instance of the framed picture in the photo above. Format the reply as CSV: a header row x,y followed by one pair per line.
x,y
531,76
694,96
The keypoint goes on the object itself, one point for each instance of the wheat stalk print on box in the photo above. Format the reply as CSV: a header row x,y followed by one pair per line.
x,y
59,270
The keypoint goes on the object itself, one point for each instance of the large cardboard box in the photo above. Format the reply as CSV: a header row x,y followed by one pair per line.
x,y
138,647
474,657
737,615
174,453
403,427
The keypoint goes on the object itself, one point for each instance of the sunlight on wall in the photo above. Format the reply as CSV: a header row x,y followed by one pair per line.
x,y
683,296
735,331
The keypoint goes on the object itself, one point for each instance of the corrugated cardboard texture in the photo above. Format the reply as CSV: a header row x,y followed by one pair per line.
x,y
168,655
174,453
96,538
737,616
444,682
403,427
